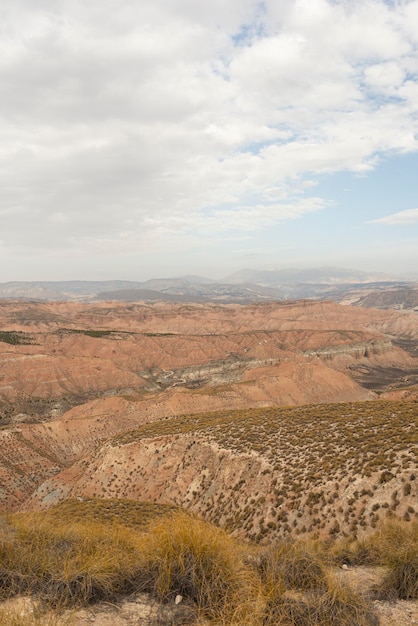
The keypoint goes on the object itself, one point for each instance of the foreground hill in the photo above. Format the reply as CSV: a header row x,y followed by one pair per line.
x,y
262,473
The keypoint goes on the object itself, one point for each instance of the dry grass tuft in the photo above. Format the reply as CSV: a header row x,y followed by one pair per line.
x,y
293,565
336,604
303,572
394,542
194,559
110,511
300,591
401,582
289,583
396,546
66,565
341,605
351,551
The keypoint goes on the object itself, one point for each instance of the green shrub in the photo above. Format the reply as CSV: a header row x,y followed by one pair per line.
x,y
15,338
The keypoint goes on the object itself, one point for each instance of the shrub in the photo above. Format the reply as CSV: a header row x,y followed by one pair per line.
x,y
15,338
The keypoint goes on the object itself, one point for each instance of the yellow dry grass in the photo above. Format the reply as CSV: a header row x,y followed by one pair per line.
x,y
226,583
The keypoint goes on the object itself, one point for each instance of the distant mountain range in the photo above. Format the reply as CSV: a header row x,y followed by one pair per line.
x,y
245,286
292,276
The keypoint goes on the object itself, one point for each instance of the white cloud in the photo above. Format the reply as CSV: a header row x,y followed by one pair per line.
x,y
385,77
401,218
122,122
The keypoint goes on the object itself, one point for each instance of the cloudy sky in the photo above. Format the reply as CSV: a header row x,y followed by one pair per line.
x,y
150,138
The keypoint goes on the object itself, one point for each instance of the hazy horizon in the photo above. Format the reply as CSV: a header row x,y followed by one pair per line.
x,y
164,138
371,275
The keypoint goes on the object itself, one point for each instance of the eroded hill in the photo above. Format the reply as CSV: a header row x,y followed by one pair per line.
x,y
263,473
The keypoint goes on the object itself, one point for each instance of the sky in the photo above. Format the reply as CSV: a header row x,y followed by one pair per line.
x,y
151,138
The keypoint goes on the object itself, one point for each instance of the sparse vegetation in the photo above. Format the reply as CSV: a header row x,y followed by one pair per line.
x,y
16,338
296,455
88,332
25,404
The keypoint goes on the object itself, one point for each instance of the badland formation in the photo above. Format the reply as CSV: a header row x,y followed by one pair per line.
x,y
270,419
